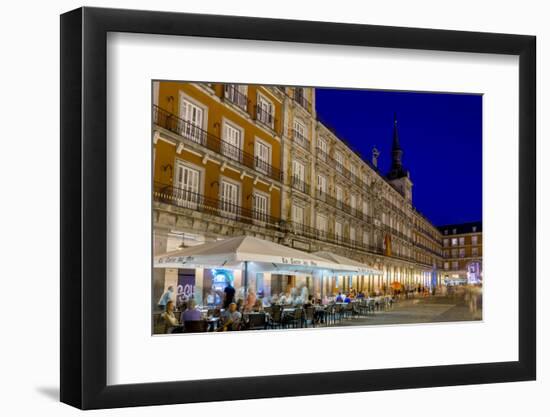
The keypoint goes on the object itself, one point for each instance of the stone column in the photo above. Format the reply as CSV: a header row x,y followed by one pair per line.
x,y
160,241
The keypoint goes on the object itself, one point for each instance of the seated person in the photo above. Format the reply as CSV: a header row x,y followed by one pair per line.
x,y
231,318
266,302
258,306
309,302
168,318
191,313
250,300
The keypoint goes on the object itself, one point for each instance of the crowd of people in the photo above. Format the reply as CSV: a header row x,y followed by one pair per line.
x,y
233,308
236,305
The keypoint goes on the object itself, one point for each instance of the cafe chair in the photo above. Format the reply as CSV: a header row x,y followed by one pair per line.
x,y
195,326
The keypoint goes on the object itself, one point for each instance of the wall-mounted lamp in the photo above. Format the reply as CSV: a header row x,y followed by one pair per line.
x,y
214,182
172,100
166,168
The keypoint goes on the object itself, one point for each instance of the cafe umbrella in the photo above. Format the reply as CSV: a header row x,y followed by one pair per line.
x,y
266,256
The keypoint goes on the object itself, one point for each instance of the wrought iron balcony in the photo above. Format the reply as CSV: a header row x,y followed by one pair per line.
x,y
300,98
265,117
321,154
213,143
300,139
325,236
232,94
299,184
179,197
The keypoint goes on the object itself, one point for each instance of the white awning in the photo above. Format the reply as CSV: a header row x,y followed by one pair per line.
x,y
262,256
342,260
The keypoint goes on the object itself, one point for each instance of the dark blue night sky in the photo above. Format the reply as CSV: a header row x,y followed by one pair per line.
x,y
440,135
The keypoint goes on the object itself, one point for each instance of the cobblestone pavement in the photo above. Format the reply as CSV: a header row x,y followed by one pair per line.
x,y
422,310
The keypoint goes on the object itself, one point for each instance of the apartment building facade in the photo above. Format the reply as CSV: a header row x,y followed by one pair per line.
x,y
247,159
463,252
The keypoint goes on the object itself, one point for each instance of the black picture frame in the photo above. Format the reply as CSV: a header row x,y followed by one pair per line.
x,y
84,207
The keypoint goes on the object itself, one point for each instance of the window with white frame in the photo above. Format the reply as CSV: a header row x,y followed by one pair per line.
x,y
338,230
300,133
237,94
298,215
353,202
366,238
353,170
474,240
461,241
193,121
446,242
232,141
352,234
321,224
261,206
454,241
455,265
339,159
265,111
475,251
262,156
321,185
339,195
229,198
323,148
462,253
187,185
365,207
446,265
299,175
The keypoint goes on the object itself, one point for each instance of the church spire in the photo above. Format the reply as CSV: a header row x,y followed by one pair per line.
x,y
395,145
397,170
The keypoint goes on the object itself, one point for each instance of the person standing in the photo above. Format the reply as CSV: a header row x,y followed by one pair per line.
x,y
229,297
165,298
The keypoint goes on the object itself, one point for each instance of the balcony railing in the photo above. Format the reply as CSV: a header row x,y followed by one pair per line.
x,y
235,96
300,139
302,100
179,197
300,184
198,135
265,117
321,154
325,236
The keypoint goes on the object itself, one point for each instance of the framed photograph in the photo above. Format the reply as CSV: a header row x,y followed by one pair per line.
x,y
262,208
